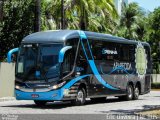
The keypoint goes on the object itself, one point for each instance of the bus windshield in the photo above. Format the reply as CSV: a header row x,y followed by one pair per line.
x,y
38,62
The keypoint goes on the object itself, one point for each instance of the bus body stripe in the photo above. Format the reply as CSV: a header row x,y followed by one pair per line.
x,y
83,49
73,81
98,76
92,64
90,50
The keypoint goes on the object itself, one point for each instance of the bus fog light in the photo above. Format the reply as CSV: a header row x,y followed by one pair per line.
x,y
66,92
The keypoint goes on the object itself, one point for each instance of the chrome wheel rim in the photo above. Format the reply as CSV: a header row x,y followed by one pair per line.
x,y
136,92
130,92
80,96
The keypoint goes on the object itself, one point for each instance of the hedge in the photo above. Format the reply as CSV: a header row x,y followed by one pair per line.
x,y
155,85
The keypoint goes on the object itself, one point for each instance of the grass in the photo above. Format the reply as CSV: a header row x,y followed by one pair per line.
x,y
155,85
151,113
155,89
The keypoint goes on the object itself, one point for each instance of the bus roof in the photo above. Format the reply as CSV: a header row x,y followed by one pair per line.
x,y
56,36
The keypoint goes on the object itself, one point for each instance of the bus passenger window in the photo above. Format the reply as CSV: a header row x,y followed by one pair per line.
x,y
124,53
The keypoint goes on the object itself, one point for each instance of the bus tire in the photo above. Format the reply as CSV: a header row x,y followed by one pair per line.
x,y
130,92
40,103
80,98
136,93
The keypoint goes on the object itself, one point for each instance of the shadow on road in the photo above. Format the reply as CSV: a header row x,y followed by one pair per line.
x,y
133,111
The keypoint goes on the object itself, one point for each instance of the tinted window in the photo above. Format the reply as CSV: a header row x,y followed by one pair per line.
x,y
104,50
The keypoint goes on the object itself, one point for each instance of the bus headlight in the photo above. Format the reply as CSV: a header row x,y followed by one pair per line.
x,y
58,85
17,87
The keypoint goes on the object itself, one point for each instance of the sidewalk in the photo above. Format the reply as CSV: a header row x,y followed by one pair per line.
x,y
7,99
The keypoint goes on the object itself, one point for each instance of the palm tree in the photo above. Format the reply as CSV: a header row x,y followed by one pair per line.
x,y
84,14
1,9
37,23
129,22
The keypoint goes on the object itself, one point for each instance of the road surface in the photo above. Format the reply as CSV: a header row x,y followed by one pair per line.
x,y
103,109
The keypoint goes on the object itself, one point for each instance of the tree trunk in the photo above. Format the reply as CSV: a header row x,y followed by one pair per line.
x,y
37,22
1,9
62,14
83,19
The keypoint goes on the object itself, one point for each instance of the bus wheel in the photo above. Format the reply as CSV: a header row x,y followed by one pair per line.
x,y
81,97
130,92
40,103
136,93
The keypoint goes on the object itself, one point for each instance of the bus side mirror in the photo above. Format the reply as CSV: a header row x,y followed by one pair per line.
x,y
62,53
9,54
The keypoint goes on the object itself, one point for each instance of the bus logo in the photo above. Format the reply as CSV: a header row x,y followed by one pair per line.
x,y
140,60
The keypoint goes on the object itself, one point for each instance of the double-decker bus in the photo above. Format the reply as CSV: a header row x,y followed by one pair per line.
x,y
72,65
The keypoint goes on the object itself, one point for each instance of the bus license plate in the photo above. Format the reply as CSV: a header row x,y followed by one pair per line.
x,y
35,95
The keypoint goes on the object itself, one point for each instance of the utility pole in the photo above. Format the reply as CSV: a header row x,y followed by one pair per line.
x,y
37,21
62,14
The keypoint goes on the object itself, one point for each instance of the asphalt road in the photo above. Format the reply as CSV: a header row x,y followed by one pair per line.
x,y
102,110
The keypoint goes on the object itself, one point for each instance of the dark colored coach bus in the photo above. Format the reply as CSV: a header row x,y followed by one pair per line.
x,y
74,65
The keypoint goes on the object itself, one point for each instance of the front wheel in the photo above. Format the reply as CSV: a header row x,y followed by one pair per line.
x,y
40,103
81,97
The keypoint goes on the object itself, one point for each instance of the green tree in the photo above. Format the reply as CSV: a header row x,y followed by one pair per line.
x,y
22,17
17,23
131,22
153,32
37,21
91,15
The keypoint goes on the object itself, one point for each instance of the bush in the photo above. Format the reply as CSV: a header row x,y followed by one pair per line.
x,y
155,85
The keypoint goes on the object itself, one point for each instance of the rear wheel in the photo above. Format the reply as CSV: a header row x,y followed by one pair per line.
x,y
129,95
136,93
40,103
80,98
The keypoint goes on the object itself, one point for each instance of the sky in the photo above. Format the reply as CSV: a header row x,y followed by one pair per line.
x,y
147,4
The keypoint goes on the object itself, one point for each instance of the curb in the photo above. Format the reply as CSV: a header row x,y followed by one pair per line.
x,y
3,99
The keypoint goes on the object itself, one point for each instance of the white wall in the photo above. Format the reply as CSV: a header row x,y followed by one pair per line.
x,y
156,78
7,79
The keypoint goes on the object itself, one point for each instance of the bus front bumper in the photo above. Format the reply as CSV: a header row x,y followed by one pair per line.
x,y
49,95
